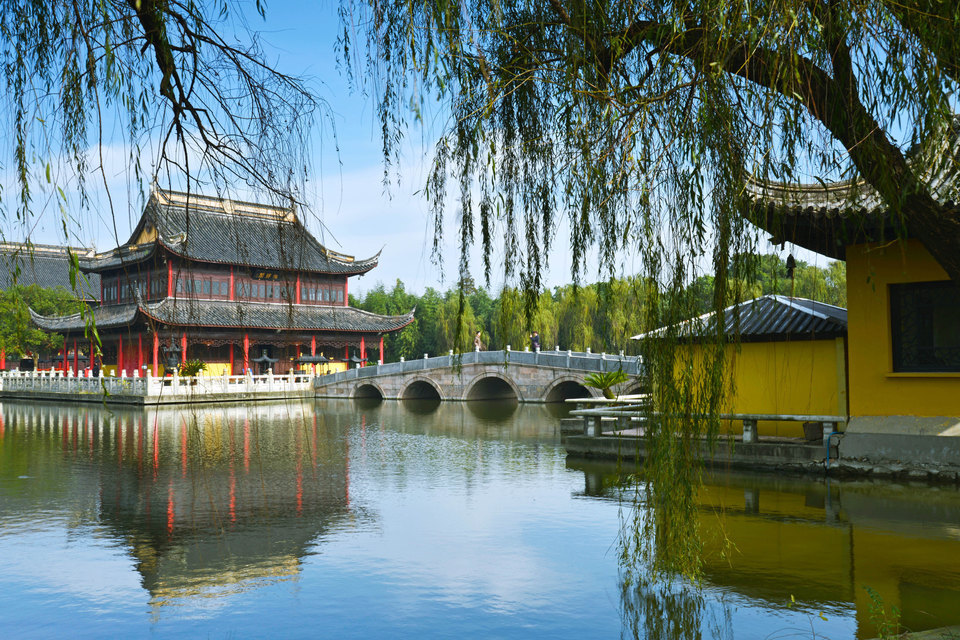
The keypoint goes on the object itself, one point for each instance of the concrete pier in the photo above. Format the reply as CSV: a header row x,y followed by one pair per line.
x,y
767,455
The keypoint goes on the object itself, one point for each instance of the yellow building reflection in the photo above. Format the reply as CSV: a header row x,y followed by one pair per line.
x,y
823,544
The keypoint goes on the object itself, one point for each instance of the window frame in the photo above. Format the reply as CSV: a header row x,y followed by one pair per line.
x,y
898,296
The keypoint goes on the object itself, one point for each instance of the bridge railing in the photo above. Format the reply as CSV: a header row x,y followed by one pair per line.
x,y
580,361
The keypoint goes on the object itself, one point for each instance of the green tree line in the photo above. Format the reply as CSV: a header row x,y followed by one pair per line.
x,y
601,316
18,335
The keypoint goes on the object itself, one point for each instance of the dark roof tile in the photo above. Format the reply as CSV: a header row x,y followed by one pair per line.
x,y
225,231
266,315
45,265
108,317
826,217
233,315
765,319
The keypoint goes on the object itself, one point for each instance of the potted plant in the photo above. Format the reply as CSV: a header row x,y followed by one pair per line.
x,y
192,367
603,380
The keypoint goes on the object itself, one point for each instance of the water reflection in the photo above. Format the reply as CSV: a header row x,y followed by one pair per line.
x,y
459,520
480,419
208,502
670,611
492,411
212,501
421,406
776,540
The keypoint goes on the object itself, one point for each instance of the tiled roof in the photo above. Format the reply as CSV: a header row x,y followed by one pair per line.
x,y
766,319
267,315
108,317
45,265
239,315
225,231
826,217
124,255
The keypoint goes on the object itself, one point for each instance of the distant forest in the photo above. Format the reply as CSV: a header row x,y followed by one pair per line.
x,y
600,316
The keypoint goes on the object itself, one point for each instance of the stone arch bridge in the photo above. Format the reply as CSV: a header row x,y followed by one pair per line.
x,y
547,376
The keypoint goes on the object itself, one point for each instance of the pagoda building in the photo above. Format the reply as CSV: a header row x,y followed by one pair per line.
x,y
238,285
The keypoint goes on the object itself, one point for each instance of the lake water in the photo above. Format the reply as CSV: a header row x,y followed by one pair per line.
x,y
340,520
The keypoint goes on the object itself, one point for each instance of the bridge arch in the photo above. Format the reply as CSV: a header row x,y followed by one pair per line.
x,y
492,386
421,388
635,388
369,390
564,387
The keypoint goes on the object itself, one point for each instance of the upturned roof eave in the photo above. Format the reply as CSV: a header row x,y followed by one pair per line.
x,y
826,217
135,311
54,323
153,312
115,259
348,268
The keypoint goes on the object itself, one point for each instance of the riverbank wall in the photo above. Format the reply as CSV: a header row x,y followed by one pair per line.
x,y
866,455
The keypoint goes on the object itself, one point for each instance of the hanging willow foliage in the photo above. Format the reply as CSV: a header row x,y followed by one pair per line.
x,y
640,123
170,77
184,82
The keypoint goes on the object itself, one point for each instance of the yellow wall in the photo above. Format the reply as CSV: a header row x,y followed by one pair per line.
x,y
874,389
217,369
796,377
322,369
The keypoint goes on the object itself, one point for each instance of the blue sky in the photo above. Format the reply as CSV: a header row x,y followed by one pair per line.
x,y
350,209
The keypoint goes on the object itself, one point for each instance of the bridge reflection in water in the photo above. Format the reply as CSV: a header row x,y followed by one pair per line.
x,y
823,543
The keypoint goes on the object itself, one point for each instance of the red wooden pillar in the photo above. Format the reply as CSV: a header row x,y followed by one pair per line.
x,y
139,354
65,365
232,372
298,288
231,298
346,289
119,355
381,349
313,345
169,278
346,354
93,357
76,357
246,352
363,351
3,358
156,354
183,347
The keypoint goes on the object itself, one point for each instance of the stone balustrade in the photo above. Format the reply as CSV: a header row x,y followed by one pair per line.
x,y
151,388
583,361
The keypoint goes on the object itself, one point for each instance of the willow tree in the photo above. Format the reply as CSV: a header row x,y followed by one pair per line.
x,y
640,123
181,86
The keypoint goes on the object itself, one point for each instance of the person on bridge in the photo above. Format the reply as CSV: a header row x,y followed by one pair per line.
x,y
476,342
535,342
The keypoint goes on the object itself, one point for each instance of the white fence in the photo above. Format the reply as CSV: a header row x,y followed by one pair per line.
x,y
149,386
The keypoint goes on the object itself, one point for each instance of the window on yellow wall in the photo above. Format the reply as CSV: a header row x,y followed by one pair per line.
x,y
925,321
